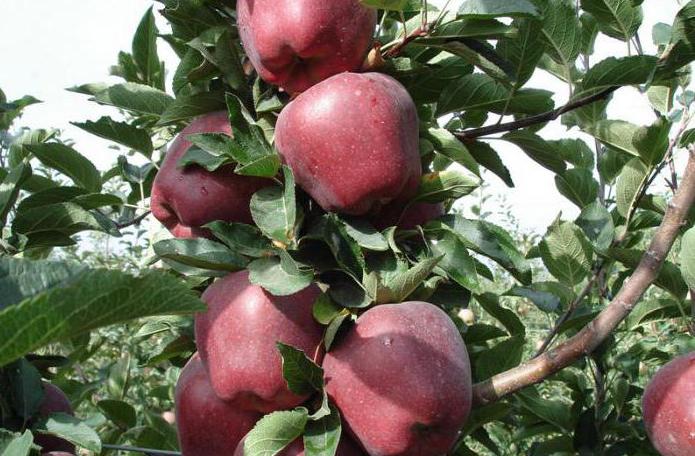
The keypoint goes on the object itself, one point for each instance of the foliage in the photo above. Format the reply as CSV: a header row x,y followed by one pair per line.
x,y
470,67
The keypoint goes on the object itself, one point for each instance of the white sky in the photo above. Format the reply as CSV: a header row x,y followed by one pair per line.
x,y
50,45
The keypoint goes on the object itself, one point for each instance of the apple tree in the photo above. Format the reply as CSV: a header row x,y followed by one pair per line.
x,y
302,264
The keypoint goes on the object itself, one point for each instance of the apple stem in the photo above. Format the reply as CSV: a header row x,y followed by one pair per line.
x,y
594,333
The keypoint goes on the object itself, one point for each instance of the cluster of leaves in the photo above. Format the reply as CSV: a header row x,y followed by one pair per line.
x,y
471,65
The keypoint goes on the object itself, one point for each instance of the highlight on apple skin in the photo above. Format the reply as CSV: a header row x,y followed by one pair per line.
x,y
352,142
237,337
207,425
401,379
295,44
184,199
668,407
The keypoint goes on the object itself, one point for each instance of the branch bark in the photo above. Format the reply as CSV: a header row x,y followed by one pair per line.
x,y
471,134
592,335
134,221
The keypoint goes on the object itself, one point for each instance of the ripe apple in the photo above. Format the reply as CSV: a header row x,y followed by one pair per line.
x,y
401,378
297,43
54,401
206,424
237,337
184,199
346,447
407,218
668,407
352,142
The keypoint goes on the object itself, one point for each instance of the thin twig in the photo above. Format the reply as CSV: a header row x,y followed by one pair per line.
x,y
135,221
473,133
692,312
593,334
412,36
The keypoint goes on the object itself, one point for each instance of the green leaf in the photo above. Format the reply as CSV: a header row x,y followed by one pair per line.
x,y
578,185
26,389
503,356
62,218
615,133
488,157
687,258
669,278
10,185
444,185
71,429
512,323
538,295
322,437
68,161
538,149
241,238
553,412
618,19
498,8
562,32
597,224
274,210
333,328
448,145
270,274
275,431
120,132
145,51
187,106
303,375
18,446
629,184
344,248
475,52
402,285
681,50
389,5
199,253
614,71
120,413
652,142
136,98
325,310
98,298
365,235
456,261
525,50
566,252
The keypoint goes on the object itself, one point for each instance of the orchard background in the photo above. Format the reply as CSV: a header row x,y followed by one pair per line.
x,y
95,299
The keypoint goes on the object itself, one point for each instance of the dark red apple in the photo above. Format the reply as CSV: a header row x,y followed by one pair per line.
x,y
407,218
207,426
346,447
352,142
297,43
54,401
401,378
668,407
237,337
184,199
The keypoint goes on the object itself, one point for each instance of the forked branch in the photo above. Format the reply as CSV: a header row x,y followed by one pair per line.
x,y
592,335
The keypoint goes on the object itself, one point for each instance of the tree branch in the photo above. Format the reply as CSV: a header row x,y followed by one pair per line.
x,y
147,451
135,221
592,335
468,135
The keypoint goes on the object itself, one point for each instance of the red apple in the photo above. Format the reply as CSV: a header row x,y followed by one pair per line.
x,y
352,142
207,426
407,218
184,199
54,401
668,407
346,447
401,379
237,337
297,43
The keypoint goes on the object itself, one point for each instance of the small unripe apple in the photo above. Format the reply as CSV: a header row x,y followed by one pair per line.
x,y
54,401
185,198
467,316
206,424
237,337
401,378
297,43
352,142
668,407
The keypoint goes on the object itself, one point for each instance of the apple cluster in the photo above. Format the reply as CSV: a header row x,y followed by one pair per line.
x,y
400,376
